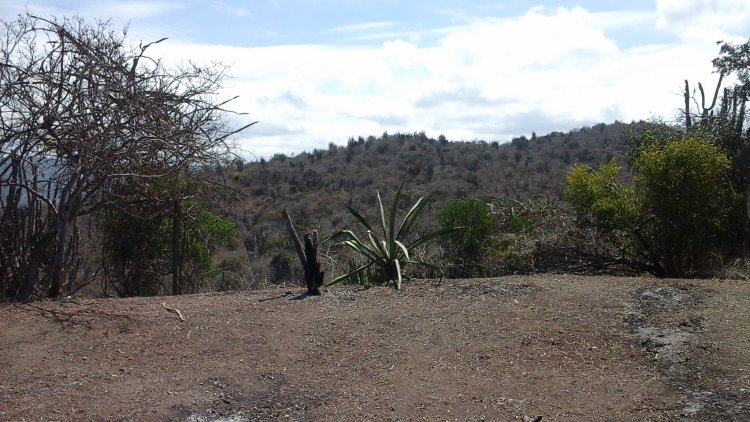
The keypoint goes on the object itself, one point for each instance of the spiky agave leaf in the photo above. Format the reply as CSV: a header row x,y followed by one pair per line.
x,y
343,277
392,235
359,217
389,253
403,248
354,243
382,215
377,245
431,236
398,274
414,212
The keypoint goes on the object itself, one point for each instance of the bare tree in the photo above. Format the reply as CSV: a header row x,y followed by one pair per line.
x,y
82,111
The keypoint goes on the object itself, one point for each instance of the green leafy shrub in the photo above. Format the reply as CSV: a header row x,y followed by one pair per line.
x,y
465,247
137,248
599,198
684,196
671,221
280,268
520,223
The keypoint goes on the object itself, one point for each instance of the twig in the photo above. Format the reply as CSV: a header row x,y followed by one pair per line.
x,y
295,238
173,310
281,296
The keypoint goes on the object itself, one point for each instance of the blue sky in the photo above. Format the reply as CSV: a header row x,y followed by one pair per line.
x,y
320,71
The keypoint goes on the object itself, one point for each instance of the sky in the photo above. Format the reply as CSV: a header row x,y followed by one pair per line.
x,y
312,72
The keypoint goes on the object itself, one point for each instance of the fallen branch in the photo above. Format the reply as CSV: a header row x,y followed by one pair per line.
x,y
173,310
281,296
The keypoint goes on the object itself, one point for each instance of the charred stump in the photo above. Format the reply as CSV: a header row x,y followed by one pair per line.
x,y
308,256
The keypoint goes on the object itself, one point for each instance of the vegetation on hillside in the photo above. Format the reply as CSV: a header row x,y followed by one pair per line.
x,y
114,174
318,186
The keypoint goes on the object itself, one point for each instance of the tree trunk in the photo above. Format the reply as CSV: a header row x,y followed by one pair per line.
x,y
313,275
58,263
68,206
32,272
688,120
308,256
176,223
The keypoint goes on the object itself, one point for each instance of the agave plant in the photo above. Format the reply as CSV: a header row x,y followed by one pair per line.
x,y
386,252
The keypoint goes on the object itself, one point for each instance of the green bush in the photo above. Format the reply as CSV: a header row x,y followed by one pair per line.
x,y
671,222
685,198
280,268
520,223
510,254
465,247
137,246
599,199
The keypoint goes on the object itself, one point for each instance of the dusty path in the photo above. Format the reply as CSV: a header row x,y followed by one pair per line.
x,y
566,348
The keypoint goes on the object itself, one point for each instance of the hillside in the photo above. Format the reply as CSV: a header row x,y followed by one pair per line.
x,y
315,185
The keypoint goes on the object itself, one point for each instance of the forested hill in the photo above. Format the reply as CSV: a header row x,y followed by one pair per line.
x,y
315,185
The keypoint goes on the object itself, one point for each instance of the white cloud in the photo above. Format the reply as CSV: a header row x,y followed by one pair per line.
x,y
366,26
121,13
487,78
624,19
701,19
492,79
129,9
10,9
232,10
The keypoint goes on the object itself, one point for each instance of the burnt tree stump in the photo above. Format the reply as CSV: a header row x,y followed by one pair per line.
x,y
308,256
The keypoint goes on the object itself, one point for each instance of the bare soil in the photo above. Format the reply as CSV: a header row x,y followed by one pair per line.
x,y
561,347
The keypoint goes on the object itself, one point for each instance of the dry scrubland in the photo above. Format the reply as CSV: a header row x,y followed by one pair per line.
x,y
566,348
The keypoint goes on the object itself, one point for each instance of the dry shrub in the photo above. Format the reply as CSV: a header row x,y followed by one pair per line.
x,y
540,235
739,269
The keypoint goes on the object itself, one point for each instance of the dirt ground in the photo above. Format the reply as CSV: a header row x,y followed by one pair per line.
x,y
561,347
